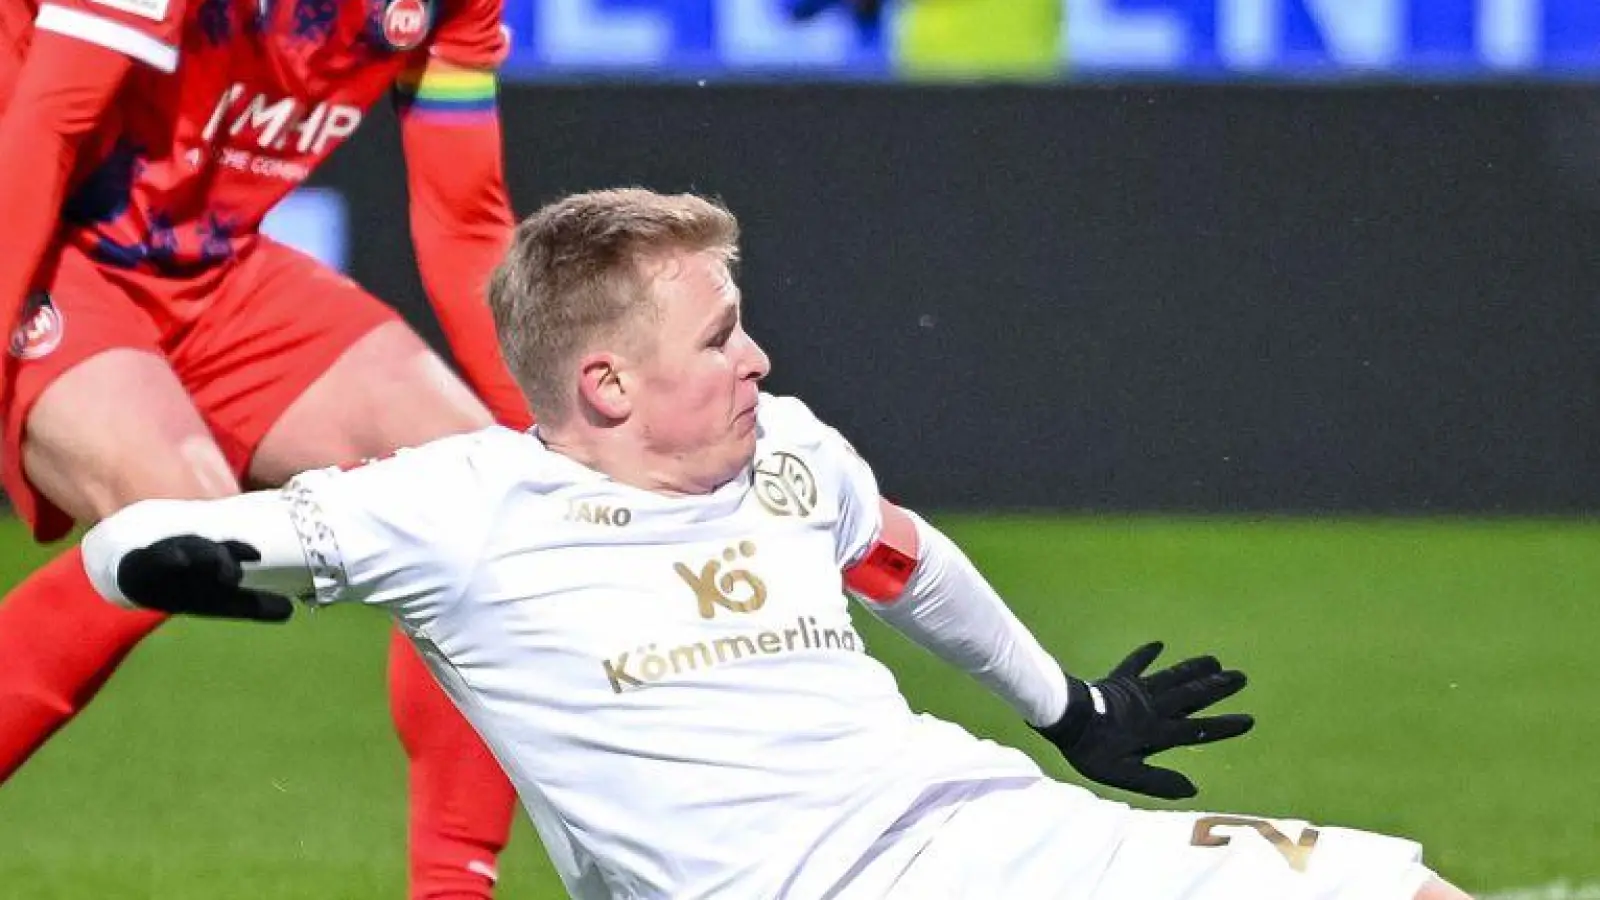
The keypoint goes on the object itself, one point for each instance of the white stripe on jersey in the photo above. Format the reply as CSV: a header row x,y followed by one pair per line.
x,y
111,35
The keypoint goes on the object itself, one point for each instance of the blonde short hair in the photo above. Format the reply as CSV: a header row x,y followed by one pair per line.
x,y
573,276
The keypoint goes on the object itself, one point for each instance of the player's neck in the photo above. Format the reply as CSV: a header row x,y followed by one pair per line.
x,y
626,461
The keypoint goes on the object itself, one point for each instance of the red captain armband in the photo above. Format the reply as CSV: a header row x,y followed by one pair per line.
x,y
882,573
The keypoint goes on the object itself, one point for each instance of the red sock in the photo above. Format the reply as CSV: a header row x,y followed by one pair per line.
x,y
59,642
461,801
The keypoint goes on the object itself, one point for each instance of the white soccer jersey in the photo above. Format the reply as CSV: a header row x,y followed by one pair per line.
x,y
673,683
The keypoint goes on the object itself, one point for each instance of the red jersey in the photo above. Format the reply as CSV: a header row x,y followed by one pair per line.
x,y
239,101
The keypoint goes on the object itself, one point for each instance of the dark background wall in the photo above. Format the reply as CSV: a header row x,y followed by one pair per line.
x,y
1195,298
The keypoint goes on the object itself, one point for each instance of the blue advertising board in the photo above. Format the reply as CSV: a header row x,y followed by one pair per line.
x,y
684,39
1335,38
1203,39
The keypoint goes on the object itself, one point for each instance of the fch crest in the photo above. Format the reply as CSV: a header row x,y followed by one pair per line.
x,y
40,328
406,22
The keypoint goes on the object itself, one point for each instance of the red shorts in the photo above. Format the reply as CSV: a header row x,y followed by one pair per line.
x,y
246,340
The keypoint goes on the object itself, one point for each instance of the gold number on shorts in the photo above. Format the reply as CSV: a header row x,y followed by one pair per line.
x,y
1296,853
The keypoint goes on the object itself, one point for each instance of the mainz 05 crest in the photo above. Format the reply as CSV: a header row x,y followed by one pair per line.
x,y
785,486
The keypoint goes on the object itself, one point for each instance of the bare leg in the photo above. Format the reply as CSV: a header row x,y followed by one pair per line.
x,y
116,428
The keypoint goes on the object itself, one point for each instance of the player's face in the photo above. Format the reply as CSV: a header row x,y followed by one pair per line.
x,y
697,403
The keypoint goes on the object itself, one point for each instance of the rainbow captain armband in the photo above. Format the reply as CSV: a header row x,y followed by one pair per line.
x,y
445,94
882,573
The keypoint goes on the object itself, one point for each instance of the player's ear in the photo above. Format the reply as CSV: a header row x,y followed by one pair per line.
x,y
600,384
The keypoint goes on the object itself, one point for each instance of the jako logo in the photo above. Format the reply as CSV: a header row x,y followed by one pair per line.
x,y
276,121
598,514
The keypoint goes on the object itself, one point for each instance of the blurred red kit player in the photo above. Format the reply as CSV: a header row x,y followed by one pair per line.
x,y
164,348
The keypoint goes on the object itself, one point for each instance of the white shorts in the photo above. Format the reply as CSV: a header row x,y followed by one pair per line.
x,y
1051,840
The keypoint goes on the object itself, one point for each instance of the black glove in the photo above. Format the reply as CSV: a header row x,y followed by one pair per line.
x,y
198,577
1140,715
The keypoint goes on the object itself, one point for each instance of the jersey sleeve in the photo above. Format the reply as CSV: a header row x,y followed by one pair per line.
x,y
405,531
860,515
149,31
842,472
470,34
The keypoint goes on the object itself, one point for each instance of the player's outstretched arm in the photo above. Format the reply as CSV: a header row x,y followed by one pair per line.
x,y
238,557
918,581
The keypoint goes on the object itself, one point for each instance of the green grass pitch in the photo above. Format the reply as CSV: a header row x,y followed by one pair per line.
x,y
1434,678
